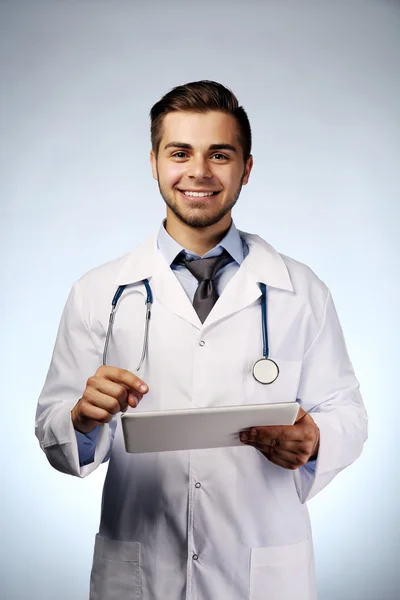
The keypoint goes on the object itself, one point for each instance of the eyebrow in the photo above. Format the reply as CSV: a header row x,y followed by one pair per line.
x,y
212,147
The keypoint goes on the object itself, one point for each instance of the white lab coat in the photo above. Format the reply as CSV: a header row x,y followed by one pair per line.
x,y
243,532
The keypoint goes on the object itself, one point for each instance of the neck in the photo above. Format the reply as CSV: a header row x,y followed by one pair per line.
x,y
198,239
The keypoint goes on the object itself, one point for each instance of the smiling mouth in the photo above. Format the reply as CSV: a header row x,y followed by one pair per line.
x,y
190,194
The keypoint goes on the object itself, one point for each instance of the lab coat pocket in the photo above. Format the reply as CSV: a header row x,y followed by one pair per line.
x,y
115,571
283,389
282,572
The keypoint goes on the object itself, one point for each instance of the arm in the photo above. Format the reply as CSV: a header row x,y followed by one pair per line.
x,y
331,427
329,392
75,358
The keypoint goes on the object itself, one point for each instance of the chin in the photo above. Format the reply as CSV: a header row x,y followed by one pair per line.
x,y
200,218
198,214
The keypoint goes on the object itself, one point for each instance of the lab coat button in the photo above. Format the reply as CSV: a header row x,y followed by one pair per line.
x,y
202,343
198,485
195,556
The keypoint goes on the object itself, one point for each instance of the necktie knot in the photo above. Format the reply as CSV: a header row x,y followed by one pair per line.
x,y
205,270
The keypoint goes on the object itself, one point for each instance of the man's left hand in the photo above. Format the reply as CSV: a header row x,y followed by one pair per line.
x,y
289,446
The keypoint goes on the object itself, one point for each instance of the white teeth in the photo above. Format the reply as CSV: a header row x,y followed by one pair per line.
x,y
198,194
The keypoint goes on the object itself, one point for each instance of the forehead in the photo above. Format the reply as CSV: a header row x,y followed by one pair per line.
x,y
200,129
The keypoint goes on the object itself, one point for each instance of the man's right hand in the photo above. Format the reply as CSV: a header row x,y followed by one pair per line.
x,y
108,392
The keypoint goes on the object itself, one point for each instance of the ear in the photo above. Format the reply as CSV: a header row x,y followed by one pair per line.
x,y
153,162
247,170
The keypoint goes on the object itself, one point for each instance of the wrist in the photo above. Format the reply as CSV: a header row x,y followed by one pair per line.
x,y
81,425
314,454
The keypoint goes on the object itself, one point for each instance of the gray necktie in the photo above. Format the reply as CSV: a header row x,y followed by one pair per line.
x,y
204,269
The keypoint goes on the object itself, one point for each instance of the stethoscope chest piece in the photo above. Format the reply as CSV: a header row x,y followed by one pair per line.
x,y
265,371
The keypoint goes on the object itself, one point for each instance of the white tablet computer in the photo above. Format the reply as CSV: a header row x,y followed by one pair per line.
x,y
200,428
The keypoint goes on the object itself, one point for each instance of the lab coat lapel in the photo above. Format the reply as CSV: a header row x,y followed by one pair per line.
x,y
262,265
240,292
146,261
168,290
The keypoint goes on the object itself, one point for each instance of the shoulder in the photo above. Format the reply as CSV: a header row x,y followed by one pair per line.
x,y
103,275
131,267
92,293
302,275
304,281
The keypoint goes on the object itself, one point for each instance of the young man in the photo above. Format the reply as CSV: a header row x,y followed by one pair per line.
x,y
221,524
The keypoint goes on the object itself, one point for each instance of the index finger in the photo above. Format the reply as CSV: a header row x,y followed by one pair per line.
x,y
124,377
274,432
280,431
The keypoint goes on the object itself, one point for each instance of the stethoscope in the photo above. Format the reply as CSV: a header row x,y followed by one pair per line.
x,y
149,302
265,370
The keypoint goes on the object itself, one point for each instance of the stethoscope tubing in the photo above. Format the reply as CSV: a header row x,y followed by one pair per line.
x,y
149,302
264,318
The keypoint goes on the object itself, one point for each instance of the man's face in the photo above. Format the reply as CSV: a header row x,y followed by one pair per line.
x,y
200,153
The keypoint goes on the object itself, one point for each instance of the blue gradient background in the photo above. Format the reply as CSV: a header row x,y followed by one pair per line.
x,y
321,83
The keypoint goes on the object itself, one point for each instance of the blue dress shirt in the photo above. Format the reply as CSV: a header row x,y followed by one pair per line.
x,y
170,248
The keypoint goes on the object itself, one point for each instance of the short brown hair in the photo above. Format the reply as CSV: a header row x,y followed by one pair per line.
x,y
200,96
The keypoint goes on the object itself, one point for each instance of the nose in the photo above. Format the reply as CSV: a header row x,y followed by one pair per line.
x,y
199,168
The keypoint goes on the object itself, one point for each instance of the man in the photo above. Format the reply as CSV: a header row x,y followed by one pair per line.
x,y
220,524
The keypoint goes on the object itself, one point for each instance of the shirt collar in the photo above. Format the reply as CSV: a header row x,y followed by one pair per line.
x,y
231,242
262,260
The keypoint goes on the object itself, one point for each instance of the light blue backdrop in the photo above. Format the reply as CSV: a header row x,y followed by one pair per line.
x,y
320,81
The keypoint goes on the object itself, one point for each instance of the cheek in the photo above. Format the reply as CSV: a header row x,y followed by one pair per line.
x,y
229,178
171,175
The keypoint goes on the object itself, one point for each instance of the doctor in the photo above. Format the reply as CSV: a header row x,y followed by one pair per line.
x,y
224,524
